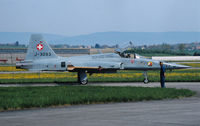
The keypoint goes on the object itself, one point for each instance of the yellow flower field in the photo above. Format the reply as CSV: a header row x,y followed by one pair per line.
x,y
187,75
36,75
72,75
9,68
183,74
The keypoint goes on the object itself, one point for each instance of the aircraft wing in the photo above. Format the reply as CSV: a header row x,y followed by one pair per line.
x,y
95,67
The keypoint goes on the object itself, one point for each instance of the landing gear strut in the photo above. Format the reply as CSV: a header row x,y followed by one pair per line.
x,y
146,81
82,78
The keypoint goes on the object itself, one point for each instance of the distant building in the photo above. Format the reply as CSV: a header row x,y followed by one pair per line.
x,y
16,43
198,47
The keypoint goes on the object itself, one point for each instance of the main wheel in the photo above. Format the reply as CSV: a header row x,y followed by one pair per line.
x,y
146,81
84,82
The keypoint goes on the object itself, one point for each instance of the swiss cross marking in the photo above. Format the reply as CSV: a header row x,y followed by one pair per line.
x,y
40,47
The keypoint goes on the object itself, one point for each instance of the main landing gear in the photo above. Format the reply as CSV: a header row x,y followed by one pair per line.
x,y
82,78
146,81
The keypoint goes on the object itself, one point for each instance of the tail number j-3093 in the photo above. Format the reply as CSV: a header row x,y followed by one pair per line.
x,y
42,54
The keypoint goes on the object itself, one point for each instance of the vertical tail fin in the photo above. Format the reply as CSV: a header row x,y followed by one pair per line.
x,y
39,49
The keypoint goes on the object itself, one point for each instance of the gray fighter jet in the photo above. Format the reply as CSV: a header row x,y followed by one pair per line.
x,y
40,57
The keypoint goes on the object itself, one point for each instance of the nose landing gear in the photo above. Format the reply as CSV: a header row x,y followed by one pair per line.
x,y
146,81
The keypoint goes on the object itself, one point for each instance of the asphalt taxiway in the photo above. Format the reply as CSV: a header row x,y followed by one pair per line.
x,y
184,112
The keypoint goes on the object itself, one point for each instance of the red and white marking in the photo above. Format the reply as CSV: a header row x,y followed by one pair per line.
x,y
132,61
40,47
150,63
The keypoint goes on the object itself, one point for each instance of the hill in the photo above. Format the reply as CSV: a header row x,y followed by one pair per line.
x,y
109,38
23,37
139,38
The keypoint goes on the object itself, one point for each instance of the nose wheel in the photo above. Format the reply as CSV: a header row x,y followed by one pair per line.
x,y
146,81
82,78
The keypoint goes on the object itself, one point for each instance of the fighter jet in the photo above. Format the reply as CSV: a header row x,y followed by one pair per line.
x,y
41,57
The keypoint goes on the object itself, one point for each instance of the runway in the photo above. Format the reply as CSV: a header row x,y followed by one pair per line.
x,y
176,112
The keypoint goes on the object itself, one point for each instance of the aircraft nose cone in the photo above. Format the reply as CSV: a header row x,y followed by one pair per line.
x,y
176,66
182,66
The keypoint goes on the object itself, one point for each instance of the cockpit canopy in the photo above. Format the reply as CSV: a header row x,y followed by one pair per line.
x,y
130,55
123,53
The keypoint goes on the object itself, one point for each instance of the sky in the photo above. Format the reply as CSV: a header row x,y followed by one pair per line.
x,y
77,17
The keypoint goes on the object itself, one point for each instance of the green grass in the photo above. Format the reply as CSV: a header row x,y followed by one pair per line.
x,y
191,64
13,98
184,61
156,54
